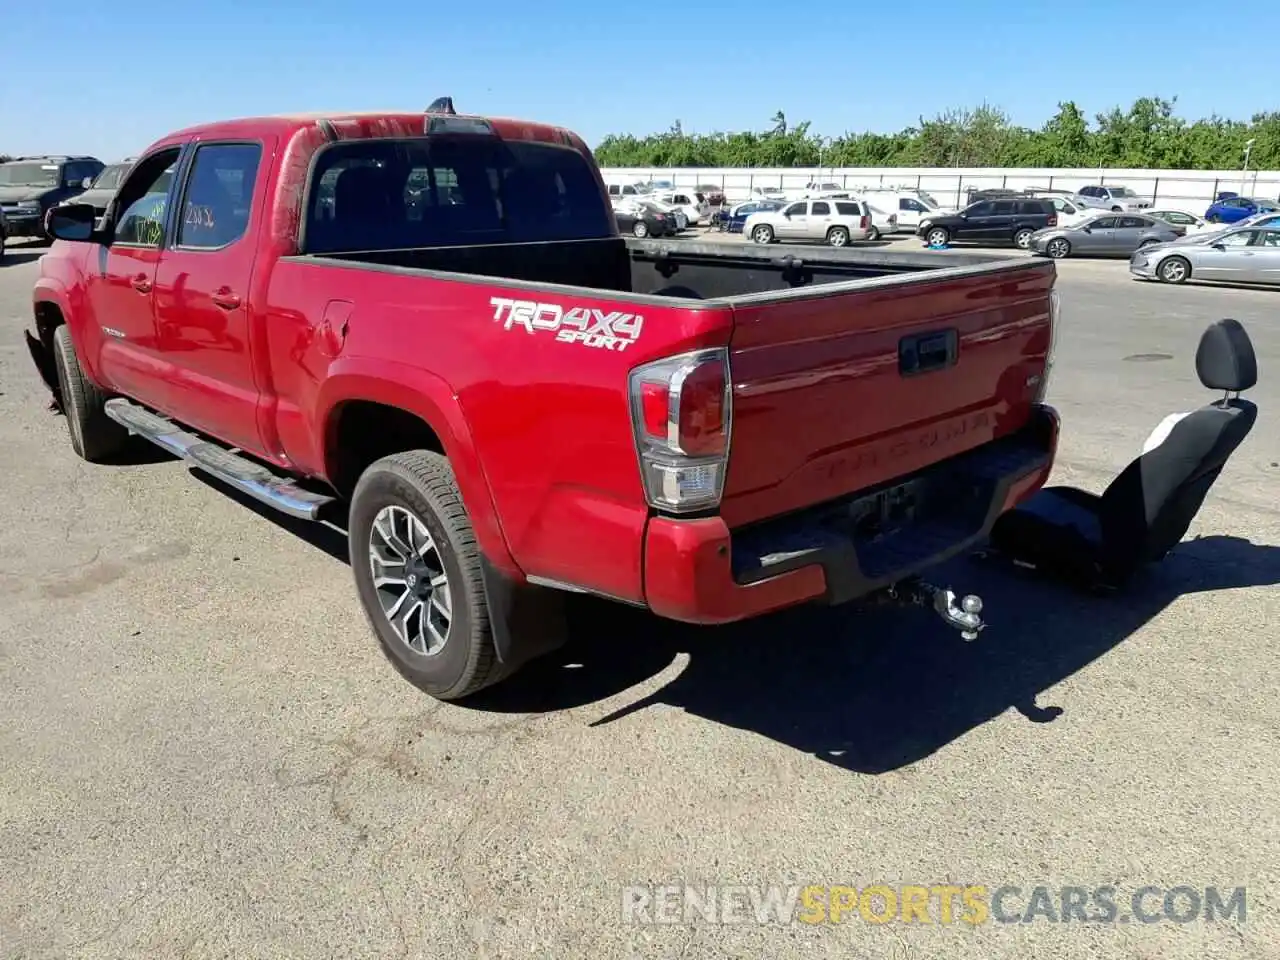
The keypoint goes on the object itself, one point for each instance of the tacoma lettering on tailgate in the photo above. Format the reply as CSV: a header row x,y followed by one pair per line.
x,y
607,330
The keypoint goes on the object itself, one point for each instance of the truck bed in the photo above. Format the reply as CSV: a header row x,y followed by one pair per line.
x,y
684,269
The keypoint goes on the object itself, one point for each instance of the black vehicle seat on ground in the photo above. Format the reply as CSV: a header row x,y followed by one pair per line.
x,y
1101,541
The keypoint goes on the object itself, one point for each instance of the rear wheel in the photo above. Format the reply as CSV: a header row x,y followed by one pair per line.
x,y
838,236
873,233
641,229
417,571
1022,238
1175,270
938,237
762,233
94,436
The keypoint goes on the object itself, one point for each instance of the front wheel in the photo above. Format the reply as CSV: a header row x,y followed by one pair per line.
x,y
762,234
1057,248
1022,239
417,572
641,229
838,237
94,436
1175,270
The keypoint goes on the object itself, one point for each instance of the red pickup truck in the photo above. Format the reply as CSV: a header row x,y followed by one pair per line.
x,y
427,328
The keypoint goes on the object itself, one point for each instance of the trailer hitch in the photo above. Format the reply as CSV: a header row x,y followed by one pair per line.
x,y
964,613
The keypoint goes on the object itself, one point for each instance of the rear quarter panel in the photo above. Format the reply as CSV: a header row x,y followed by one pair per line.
x,y
548,420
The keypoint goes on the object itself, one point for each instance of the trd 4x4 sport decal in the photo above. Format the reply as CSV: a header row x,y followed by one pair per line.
x,y
593,328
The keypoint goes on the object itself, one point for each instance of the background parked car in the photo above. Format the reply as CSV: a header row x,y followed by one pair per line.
x,y
29,186
910,206
1189,222
1235,209
884,222
836,222
692,204
1107,235
4,233
1239,255
991,222
714,194
642,220
734,217
1070,209
1112,197
101,189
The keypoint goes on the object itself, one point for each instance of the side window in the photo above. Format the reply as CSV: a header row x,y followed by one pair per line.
x,y
680,199
1032,208
1089,191
1132,223
1002,208
219,195
1105,223
1270,238
980,210
143,200
1240,239
820,209
615,190
73,173
848,210
795,210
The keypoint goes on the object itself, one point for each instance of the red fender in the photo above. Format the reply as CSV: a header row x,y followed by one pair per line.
x,y
432,400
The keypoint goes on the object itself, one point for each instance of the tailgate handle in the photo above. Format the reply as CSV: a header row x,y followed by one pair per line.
x,y
928,351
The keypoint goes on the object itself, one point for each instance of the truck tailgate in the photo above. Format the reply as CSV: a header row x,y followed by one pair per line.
x,y
837,390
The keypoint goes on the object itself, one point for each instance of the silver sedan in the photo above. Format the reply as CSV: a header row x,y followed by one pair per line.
x,y
1115,235
1239,255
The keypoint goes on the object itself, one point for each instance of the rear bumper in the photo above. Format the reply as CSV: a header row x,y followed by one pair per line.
x,y
698,571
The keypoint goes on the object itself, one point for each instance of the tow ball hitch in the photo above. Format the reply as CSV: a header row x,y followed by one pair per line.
x,y
965,613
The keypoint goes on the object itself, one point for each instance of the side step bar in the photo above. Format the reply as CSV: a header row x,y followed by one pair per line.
x,y
245,475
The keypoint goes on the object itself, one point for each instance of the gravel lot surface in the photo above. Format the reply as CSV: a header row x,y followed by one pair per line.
x,y
203,753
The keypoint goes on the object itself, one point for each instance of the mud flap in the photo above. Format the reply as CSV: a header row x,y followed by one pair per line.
x,y
42,357
527,621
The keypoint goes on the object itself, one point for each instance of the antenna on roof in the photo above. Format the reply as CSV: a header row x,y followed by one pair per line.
x,y
442,105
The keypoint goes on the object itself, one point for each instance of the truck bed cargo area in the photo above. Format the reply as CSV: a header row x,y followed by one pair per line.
x,y
683,269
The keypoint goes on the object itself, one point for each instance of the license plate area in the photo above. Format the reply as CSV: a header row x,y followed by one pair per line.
x,y
926,352
882,513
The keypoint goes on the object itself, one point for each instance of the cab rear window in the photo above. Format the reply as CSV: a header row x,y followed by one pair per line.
x,y
450,190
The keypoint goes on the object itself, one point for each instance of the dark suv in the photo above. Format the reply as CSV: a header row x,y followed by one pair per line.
x,y
29,186
991,222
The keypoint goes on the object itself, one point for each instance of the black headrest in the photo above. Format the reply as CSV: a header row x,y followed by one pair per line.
x,y
1225,359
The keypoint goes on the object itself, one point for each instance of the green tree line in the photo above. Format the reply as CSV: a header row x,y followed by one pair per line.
x,y
1149,134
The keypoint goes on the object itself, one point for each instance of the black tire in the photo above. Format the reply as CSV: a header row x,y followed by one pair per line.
x,y
1147,243
1117,209
937,236
874,233
3,238
1058,247
640,229
838,236
94,436
422,483
1174,270
1022,238
762,233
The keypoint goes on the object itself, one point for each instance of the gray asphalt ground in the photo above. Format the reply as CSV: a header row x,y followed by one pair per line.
x,y
203,753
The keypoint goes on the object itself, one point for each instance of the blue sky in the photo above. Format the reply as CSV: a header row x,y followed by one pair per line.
x,y
108,78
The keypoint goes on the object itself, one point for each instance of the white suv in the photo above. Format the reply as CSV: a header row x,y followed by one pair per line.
x,y
1113,198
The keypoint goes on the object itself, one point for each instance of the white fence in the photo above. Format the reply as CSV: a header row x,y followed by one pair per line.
x,y
1191,189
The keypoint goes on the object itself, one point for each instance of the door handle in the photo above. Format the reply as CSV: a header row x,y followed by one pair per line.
x,y
225,299
141,282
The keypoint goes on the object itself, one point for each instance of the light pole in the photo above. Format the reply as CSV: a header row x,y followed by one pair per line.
x,y
1244,173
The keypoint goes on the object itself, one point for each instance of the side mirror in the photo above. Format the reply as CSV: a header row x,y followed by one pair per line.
x,y
86,183
1086,229
1218,246
72,221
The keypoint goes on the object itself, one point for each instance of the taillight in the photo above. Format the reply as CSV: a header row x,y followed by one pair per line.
x,y
1053,220
681,408
1055,312
864,223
